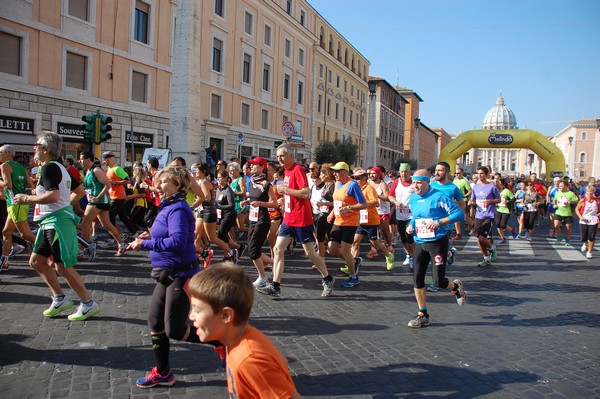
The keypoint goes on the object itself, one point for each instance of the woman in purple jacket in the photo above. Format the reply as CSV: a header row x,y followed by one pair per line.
x,y
174,262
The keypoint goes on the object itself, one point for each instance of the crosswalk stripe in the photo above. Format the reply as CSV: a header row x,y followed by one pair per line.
x,y
566,252
520,247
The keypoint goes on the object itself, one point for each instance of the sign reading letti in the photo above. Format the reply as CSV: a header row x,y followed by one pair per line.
x,y
13,124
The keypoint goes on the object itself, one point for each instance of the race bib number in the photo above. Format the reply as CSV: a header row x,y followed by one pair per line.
x,y
404,210
422,230
337,207
503,201
562,201
364,216
593,220
287,203
218,213
531,207
253,214
481,204
324,208
88,194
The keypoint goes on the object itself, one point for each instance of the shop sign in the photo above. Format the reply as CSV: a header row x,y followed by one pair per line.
x,y
139,138
70,130
17,125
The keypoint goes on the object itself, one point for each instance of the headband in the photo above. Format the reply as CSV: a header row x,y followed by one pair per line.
x,y
421,178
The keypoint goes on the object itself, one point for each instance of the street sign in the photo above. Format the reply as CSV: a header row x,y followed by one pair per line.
x,y
240,138
287,129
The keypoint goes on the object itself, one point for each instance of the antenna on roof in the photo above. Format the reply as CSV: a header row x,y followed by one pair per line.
x,y
398,77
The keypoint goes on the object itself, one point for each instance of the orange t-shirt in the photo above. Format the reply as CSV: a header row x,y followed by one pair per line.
x,y
256,369
371,195
341,199
117,174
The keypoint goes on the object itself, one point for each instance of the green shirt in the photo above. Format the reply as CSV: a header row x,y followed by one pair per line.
x,y
18,176
562,203
463,184
505,196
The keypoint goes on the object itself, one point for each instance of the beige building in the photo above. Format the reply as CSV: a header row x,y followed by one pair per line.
x,y
385,130
340,88
63,59
580,142
411,123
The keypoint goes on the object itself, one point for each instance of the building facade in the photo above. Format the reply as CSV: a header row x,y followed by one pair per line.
x,y
580,142
64,59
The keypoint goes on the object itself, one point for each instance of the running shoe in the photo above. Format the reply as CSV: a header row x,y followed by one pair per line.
x,y
270,289
460,293
260,282
84,312
567,243
583,247
207,255
420,321
15,250
519,236
451,256
58,306
588,255
493,254
351,282
432,287
502,241
357,263
558,240
327,287
484,263
389,261
122,248
234,255
407,261
110,243
153,379
91,251
4,266
344,269
372,253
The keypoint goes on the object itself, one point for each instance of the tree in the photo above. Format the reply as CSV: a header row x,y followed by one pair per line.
x,y
336,151
348,151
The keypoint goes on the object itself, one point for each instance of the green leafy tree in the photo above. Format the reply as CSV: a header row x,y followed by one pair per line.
x,y
327,152
348,151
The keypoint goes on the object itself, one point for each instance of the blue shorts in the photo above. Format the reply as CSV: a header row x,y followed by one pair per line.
x,y
372,232
302,235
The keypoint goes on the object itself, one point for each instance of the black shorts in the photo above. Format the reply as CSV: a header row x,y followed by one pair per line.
x,y
102,207
257,234
501,219
563,219
209,213
404,237
483,227
49,246
341,234
372,232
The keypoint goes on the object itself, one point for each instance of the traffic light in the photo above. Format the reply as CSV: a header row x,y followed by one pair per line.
x,y
89,126
105,127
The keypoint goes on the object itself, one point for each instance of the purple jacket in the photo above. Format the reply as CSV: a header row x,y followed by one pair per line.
x,y
172,243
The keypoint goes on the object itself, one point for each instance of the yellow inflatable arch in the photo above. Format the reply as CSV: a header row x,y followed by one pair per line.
x,y
535,141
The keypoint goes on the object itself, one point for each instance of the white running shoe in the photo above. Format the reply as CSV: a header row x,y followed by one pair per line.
x,y
260,282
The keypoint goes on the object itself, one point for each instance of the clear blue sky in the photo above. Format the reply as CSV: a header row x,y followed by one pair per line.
x,y
459,54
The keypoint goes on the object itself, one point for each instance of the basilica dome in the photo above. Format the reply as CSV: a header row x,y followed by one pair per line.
x,y
499,117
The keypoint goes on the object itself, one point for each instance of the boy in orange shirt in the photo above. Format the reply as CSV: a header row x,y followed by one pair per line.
x,y
221,301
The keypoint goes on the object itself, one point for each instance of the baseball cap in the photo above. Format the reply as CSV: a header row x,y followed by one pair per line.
x,y
341,166
258,161
107,154
359,173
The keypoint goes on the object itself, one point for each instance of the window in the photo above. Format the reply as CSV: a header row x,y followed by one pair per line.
x,y
320,103
217,61
76,71
248,23
300,92
264,119
337,81
301,57
10,48
344,115
321,71
288,48
267,35
583,135
302,17
142,10
328,107
247,68
139,87
286,86
245,115
288,7
329,77
219,8
79,9
337,111
583,157
266,83
264,152
215,106
351,117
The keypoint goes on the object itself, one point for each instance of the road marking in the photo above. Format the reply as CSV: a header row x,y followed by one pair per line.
x,y
567,252
520,247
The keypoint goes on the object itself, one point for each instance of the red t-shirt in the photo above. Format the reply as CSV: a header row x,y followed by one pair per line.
x,y
298,211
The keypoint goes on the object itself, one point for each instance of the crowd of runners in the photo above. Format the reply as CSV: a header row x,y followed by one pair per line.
x,y
187,215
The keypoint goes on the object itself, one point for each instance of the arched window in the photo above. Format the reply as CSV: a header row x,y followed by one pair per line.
x,y
322,37
583,135
331,44
582,157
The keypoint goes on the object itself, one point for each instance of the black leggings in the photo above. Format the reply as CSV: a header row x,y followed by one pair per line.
x,y
424,253
169,310
529,219
226,223
588,232
117,207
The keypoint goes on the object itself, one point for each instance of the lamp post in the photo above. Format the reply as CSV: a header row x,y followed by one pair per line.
x,y
416,140
370,145
571,154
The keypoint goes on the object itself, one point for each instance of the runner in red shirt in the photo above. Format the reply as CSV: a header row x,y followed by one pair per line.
x,y
297,223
